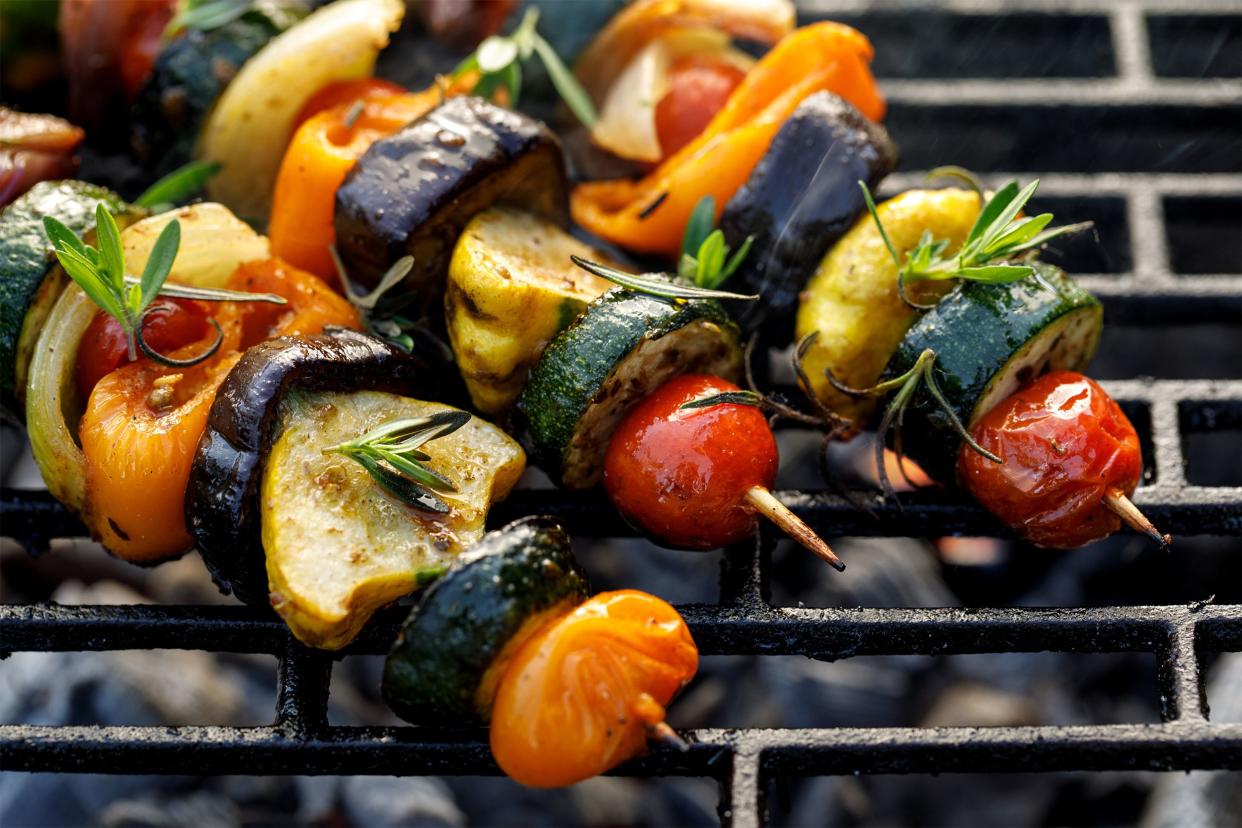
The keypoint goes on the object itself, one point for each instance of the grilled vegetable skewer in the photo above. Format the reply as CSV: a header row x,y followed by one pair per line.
x,y
571,685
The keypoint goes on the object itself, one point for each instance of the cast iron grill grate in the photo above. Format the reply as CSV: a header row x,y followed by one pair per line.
x,y
1151,148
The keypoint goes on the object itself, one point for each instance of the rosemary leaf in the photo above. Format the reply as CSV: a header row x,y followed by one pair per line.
x,y
655,284
724,398
179,185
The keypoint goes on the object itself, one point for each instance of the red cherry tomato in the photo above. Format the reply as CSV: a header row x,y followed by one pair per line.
x,y
697,89
683,475
170,324
1065,445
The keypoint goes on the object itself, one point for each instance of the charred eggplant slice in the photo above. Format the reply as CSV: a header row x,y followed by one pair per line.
x,y
452,649
801,198
623,347
413,192
222,501
339,546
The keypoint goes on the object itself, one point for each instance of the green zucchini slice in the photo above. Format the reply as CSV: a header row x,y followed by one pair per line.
x,y
595,371
30,278
452,648
990,340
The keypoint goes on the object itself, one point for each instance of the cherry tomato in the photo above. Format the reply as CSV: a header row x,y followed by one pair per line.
x,y
697,89
1065,445
580,695
345,92
683,475
170,324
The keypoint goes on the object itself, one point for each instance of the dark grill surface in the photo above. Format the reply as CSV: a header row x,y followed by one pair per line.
x,y
1131,115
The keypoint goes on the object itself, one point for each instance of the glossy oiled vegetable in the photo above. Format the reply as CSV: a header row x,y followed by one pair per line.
x,y
338,546
188,76
413,192
511,288
801,198
454,647
852,301
1066,447
251,124
595,371
213,243
223,500
989,340
34,148
650,214
583,694
30,278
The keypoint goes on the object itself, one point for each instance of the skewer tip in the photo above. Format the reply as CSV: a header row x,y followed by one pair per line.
x,y
767,505
661,732
1123,507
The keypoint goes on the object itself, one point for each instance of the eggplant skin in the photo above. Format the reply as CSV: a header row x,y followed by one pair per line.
x,y
222,505
800,200
414,191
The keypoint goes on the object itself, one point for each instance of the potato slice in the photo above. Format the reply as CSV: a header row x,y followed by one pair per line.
x,y
338,546
511,288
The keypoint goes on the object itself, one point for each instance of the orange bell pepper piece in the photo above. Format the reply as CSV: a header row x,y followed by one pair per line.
x,y
322,152
823,56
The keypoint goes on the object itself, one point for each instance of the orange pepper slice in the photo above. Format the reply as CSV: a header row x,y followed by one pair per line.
x,y
823,56
323,151
580,695
143,421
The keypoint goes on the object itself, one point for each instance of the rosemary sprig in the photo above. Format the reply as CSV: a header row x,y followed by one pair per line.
x,y
751,398
178,185
391,455
205,15
498,60
100,272
656,284
705,260
921,374
997,239
392,327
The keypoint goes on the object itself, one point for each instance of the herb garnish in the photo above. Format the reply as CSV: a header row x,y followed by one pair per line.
x,y
751,398
922,373
100,272
705,259
206,15
659,285
392,327
997,238
178,185
498,60
391,455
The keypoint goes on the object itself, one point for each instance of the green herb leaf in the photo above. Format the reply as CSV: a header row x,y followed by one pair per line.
x,y
699,226
566,84
160,262
997,274
211,294
206,16
111,258
178,185
495,53
724,398
655,284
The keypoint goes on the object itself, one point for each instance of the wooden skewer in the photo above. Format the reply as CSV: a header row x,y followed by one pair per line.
x,y
767,505
1121,506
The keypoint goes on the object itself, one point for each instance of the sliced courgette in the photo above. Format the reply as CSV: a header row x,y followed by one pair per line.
x,y
621,349
445,664
30,278
413,192
338,546
989,340
511,288
190,73
852,304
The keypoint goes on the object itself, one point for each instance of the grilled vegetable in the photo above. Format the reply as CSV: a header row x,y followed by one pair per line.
x,y
213,243
511,288
988,340
1070,461
694,462
595,371
250,126
223,508
412,193
588,690
338,546
852,301
459,639
34,148
650,215
30,279
801,198
190,73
